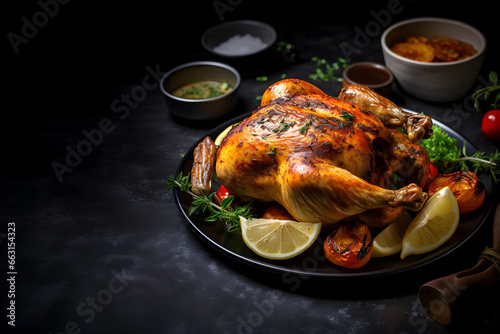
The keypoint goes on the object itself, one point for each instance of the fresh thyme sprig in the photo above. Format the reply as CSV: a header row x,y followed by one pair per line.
x,y
226,212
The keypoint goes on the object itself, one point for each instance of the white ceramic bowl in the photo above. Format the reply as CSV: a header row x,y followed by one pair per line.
x,y
437,82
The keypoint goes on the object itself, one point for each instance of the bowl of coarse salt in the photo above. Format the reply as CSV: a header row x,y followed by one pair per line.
x,y
245,44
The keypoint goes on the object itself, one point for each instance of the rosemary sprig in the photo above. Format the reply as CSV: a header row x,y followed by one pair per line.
x,y
479,162
226,212
486,91
445,154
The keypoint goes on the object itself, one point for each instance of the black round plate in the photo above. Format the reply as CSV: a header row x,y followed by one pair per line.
x,y
312,262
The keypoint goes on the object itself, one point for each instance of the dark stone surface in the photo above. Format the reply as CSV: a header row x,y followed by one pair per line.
x,y
104,248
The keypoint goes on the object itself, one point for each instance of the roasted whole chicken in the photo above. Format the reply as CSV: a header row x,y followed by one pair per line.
x,y
325,159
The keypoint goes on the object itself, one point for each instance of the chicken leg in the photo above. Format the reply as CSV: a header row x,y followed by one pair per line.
x,y
417,126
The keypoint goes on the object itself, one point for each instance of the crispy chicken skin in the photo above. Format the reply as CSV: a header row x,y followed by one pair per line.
x,y
322,158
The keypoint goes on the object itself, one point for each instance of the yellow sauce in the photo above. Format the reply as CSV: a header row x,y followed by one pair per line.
x,y
203,90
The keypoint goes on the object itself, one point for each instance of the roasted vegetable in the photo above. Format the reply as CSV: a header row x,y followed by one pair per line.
x,y
465,185
349,244
203,167
277,212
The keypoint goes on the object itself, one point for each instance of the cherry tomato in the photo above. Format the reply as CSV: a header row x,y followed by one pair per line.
x,y
349,245
277,212
223,193
491,124
434,171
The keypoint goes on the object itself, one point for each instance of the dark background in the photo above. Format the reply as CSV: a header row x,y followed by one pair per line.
x,y
68,68
113,211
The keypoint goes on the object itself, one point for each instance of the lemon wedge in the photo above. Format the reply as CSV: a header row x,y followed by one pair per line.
x,y
278,239
433,225
389,240
223,134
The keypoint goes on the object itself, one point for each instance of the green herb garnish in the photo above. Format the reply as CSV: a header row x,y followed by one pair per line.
x,y
262,78
325,71
224,212
445,154
203,90
303,129
272,150
347,116
283,127
281,45
486,91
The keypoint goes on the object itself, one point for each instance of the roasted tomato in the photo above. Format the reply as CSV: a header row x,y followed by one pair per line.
x,y
465,185
277,212
349,245
434,171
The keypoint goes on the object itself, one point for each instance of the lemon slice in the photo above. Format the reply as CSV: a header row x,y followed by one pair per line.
x,y
223,134
433,225
389,241
278,239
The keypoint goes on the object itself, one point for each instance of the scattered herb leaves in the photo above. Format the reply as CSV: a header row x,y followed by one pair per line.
x,y
281,45
326,71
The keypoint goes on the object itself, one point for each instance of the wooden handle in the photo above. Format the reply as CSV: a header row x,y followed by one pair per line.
x,y
496,229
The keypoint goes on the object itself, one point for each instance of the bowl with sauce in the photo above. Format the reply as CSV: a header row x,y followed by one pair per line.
x,y
373,75
244,44
201,90
446,74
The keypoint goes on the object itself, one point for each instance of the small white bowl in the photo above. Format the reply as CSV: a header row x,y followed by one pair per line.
x,y
437,82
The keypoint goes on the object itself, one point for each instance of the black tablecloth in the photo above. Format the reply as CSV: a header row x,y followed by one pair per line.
x,y
100,246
